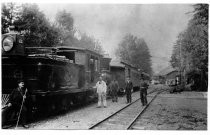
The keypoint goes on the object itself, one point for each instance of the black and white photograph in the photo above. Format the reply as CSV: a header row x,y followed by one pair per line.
x,y
104,66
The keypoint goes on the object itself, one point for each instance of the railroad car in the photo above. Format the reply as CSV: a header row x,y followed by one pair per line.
x,y
56,77
121,70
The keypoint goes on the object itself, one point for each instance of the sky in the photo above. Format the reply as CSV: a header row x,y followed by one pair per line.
x,y
158,24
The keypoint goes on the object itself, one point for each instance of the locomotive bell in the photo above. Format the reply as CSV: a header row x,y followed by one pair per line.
x,y
12,44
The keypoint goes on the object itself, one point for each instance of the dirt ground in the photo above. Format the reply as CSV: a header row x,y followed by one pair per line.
x,y
82,118
185,111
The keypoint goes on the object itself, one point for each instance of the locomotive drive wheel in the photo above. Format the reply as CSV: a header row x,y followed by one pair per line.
x,y
65,104
50,107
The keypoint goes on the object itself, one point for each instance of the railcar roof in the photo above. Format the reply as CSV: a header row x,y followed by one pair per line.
x,y
115,63
118,63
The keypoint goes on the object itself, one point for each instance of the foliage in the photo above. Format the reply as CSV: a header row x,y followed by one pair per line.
x,y
135,51
65,23
90,43
191,48
9,13
38,31
65,20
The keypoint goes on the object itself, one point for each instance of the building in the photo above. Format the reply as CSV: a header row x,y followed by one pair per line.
x,y
168,75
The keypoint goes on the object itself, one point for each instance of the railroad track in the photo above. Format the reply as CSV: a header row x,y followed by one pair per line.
x,y
125,117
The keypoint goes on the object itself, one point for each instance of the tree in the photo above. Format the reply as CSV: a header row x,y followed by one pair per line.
x,y
194,46
177,54
89,42
135,51
37,30
9,14
65,20
65,23
201,14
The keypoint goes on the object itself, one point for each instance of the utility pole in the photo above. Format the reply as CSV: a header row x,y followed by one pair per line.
x,y
180,66
182,78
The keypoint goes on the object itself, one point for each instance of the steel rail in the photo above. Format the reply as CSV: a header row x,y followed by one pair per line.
x,y
135,119
95,125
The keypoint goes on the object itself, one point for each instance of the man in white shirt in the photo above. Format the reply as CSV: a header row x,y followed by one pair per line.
x,y
101,90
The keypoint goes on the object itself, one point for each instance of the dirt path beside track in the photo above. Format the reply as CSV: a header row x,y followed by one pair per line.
x,y
185,111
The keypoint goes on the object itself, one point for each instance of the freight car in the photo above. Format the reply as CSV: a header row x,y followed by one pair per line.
x,y
56,77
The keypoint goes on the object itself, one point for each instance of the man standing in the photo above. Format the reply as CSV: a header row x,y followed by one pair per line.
x,y
143,91
101,90
128,88
114,89
16,100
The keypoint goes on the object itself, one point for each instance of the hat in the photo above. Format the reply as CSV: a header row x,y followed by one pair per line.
x,y
19,81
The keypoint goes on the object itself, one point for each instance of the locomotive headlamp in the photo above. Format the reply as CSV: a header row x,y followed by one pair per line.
x,y
7,43
12,44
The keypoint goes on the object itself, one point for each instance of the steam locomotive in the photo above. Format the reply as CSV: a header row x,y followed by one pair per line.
x,y
56,77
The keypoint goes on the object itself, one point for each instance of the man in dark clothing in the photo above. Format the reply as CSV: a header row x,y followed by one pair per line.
x,y
17,97
143,91
128,88
114,89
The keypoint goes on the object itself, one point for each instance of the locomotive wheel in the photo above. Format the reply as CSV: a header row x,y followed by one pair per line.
x,y
65,104
74,100
51,107
84,98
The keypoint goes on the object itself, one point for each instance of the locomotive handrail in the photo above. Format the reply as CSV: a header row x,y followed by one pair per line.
x,y
4,99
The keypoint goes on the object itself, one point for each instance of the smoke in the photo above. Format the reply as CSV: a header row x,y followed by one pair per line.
x,y
158,24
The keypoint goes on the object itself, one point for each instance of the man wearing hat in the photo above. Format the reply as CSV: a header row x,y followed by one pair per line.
x,y
143,91
128,88
114,86
17,97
